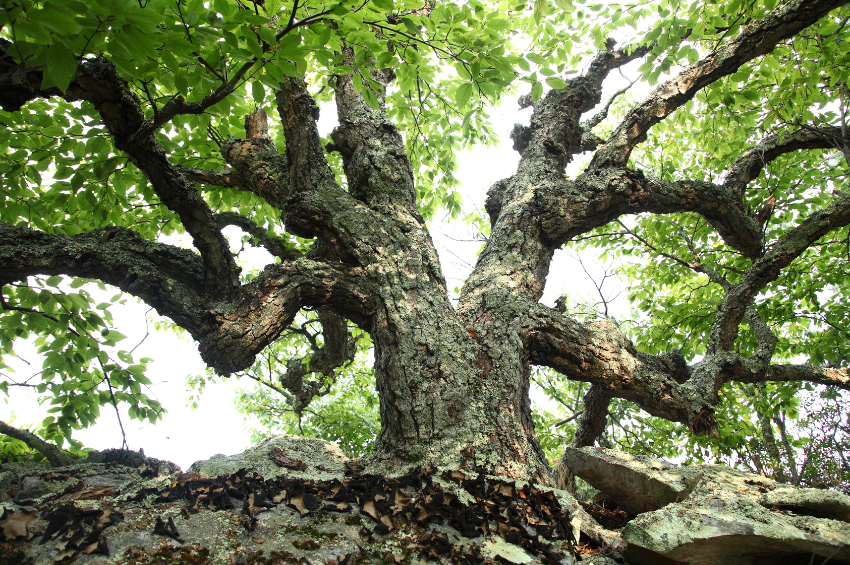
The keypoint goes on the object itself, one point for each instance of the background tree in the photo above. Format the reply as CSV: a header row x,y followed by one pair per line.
x,y
128,121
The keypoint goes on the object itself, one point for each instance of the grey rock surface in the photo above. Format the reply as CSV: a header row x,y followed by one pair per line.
x,y
257,508
322,460
820,503
638,484
714,515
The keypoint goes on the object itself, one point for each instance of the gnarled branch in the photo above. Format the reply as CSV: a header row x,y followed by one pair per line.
x,y
259,236
372,149
598,196
168,278
750,163
226,178
98,82
338,349
756,39
724,331
268,304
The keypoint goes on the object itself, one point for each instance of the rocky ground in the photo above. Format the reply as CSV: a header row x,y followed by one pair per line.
x,y
297,500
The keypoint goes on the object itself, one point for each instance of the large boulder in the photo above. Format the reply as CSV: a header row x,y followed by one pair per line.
x,y
286,500
714,515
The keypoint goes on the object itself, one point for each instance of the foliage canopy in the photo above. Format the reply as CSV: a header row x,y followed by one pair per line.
x,y
198,67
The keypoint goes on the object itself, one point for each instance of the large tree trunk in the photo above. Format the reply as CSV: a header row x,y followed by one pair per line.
x,y
449,395
453,382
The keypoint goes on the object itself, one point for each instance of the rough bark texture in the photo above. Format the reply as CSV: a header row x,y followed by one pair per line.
x,y
453,382
53,454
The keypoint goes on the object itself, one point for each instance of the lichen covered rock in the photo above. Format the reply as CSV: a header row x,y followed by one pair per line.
x,y
287,500
283,455
714,515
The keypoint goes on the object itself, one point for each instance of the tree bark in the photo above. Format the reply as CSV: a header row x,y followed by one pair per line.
x,y
52,453
453,382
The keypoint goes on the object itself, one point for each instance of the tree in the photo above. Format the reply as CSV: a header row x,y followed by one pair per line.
x,y
128,121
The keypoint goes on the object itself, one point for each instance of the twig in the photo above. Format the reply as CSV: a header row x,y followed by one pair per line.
x,y
114,405
568,420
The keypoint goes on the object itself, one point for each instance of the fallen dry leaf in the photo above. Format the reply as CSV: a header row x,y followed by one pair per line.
x,y
278,456
298,503
64,554
14,524
369,508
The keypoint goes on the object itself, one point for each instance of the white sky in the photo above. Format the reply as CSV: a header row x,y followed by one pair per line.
x,y
185,435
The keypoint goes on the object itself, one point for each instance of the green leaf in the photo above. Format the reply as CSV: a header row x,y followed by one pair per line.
x,y
61,66
463,96
411,26
537,91
113,336
541,10
258,92
383,5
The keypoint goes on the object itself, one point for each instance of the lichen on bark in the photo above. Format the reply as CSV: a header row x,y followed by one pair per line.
x,y
453,381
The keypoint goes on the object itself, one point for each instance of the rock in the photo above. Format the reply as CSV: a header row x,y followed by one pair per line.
x,y
321,460
820,503
286,500
637,484
153,467
714,515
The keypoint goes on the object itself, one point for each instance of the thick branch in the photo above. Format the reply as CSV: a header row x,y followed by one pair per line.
x,y
568,209
168,278
372,149
555,133
260,169
310,202
259,236
765,338
837,377
226,179
750,163
724,331
599,353
50,451
299,113
337,350
592,422
756,39
516,259
98,82
600,196
269,303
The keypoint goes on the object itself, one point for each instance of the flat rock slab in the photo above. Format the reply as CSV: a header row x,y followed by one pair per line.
x,y
638,484
714,515
820,503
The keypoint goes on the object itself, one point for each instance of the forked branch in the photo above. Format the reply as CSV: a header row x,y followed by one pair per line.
x,y
756,39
